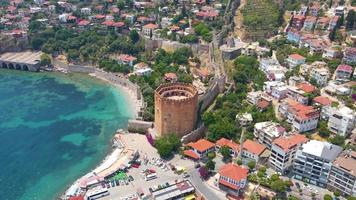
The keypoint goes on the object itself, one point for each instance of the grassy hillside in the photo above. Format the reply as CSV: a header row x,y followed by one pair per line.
x,y
261,18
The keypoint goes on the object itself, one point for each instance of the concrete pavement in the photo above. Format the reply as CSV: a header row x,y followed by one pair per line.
x,y
202,187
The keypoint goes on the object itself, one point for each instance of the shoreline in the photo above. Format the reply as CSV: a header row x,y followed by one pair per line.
x,y
133,102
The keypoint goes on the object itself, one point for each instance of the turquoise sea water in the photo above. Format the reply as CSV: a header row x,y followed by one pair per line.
x,y
54,128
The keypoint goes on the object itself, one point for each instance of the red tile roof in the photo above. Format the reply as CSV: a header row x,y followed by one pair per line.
x,y
296,57
227,184
306,87
262,104
233,171
344,68
253,147
191,153
229,143
170,76
300,111
150,26
289,142
126,58
201,145
83,23
322,100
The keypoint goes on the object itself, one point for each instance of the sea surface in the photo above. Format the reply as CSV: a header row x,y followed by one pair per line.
x,y
54,128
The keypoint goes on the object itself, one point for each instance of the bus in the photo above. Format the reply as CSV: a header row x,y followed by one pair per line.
x,y
97,194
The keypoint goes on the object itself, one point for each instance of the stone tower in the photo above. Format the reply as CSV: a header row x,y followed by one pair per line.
x,y
176,106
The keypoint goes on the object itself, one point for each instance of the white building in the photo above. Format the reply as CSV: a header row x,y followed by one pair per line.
x,y
255,97
283,151
276,89
341,120
342,176
85,11
313,162
252,150
294,60
320,75
266,132
303,118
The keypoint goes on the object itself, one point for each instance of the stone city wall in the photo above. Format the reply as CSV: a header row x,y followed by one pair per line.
x,y
139,126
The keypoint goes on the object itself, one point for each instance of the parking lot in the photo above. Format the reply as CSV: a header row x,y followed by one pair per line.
x,y
149,161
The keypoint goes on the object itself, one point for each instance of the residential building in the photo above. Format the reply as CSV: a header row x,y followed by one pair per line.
x,y
293,36
296,80
350,55
313,162
232,178
283,151
148,29
171,77
252,150
332,52
320,75
142,69
294,60
298,22
314,9
309,23
223,142
339,11
343,72
322,101
126,59
199,149
342,175
341,120
303,118
266,132
299,92
277,90
333,22
257,96
322,23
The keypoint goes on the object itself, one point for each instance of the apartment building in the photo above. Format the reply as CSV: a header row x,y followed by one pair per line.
x,y
320,75
313,162
342,175
299,92
294,60
341,120
303,118
266,132
283,150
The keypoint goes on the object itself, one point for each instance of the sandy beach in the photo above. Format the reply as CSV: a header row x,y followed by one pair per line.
x,y
111,78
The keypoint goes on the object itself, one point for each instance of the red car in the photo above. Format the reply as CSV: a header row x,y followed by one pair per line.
x,y
135,165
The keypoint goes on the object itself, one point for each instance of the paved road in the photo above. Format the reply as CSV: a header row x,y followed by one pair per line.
x,y
206,191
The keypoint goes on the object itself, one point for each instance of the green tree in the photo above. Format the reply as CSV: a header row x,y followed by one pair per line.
x,y
278,186
251,165
225,152
350,19
210,165
323,130
211,155
337,140
328,197
351,198
45,59
167,145
134,36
